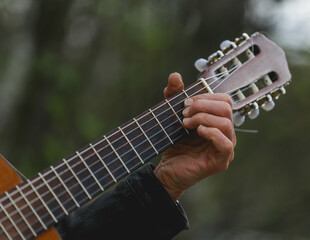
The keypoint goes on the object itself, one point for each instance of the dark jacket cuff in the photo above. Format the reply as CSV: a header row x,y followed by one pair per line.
x,y
137,208
167,216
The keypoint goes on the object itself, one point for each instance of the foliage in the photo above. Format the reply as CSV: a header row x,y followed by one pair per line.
x,y
73,70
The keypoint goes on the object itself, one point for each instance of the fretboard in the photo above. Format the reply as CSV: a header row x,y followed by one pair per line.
x,y
33,206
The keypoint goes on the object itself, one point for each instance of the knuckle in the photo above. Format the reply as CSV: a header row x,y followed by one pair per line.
x,y
226,109
229,147
199,118
226,98
226,125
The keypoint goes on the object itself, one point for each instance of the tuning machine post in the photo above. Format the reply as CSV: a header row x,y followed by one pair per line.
x,y
242,39
267,103
254,111
250,110
277,93
227,46
215,57
201,64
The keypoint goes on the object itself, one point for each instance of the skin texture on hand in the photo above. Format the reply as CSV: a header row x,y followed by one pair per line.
x,y
206,151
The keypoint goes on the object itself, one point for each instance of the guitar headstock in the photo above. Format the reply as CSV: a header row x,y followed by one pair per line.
x,y
252,70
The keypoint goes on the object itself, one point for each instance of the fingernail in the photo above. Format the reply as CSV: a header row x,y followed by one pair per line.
x,y
185,120
188,102
201,127
185,112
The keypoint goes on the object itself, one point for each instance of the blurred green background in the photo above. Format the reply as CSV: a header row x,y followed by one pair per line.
x,y
73,70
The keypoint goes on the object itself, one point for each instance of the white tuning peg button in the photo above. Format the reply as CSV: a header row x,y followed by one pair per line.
x,y
225,44
253,113
268,106
238,119
201,64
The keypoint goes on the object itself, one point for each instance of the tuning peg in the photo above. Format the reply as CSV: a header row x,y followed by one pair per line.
x,y
282,90
254,112
201,64
227,45
214,57
242,39
238,119
268,104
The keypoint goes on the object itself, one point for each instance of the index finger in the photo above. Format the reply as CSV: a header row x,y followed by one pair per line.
x,y
207,96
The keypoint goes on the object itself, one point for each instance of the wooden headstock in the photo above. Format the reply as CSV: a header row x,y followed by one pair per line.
x,y
253,70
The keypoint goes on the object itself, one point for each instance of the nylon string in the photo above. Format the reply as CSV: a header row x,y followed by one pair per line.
x,y
48,172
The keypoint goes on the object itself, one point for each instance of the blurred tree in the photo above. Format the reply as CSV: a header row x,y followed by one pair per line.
x,y
73,70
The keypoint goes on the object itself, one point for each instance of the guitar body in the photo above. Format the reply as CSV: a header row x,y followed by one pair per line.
x,y
9,179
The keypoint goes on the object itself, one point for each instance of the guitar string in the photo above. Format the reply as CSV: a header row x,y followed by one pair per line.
x,y
121,175
151,137
166,118
274,78
89,148
148,129
177,95
81,192
92,184
155,134
129,150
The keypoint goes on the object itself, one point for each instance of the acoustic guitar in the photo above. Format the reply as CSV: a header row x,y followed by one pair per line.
x,y
252,70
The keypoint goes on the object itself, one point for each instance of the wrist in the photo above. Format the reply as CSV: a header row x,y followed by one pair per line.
x,y
174,193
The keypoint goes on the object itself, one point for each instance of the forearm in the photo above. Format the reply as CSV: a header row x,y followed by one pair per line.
x,y
138,207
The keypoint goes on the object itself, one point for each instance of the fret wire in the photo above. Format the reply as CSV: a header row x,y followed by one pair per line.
x,y
142,131
161,125
131,145
177,116
53,193
185,93
21,214
116,153
47,208
168,126
146,136
106,167
90,171
190,87
32,209
64,185
4,230
13,223
84,189
161,148
198,91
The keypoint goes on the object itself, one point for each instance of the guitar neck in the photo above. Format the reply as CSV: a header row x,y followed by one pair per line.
x,y
35,205
253,80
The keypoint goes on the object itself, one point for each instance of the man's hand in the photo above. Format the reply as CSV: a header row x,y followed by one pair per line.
x,y
205,152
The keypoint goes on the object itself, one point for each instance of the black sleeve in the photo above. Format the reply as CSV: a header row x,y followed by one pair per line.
x,y
138,208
